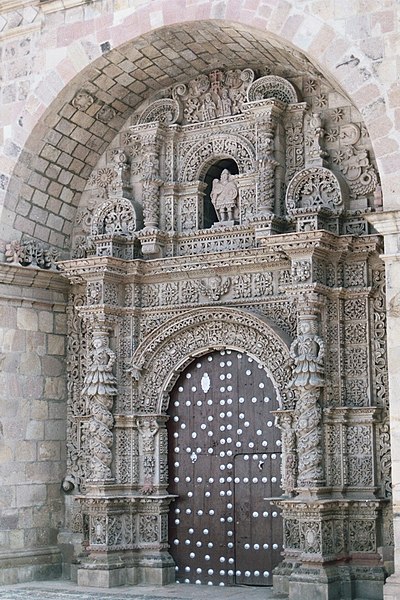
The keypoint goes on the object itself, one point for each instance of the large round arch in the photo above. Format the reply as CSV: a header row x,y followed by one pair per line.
x,y
60,143
166,352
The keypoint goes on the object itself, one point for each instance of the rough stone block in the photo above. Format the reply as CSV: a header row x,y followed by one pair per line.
x,y
27,319
35,430
30,494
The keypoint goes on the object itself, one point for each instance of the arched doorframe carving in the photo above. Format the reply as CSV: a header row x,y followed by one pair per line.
x,y
160,358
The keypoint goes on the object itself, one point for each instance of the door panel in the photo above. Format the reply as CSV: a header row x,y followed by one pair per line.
x,y
224,460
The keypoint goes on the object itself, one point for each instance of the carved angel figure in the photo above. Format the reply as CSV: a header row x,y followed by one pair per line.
x,y
99,379
224,196
307,350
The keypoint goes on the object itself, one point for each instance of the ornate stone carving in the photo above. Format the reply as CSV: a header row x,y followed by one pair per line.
x,y
116,216
272,86
200,329
224,196
31,253
355,165
106,114
215,287
307,352
164,111
315,188
100,388
289,458
82,100
315,152
218,94
217,147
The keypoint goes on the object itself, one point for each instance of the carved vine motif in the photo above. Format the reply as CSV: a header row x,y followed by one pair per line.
x,y
77,411
31,253
314,188
218,94
114,217
100,387
289,458
172,344
223,146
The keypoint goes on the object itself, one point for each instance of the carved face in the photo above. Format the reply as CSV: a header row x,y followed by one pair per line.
x,y
305,327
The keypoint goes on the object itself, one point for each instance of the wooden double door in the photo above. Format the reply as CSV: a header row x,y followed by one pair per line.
x,y
224,464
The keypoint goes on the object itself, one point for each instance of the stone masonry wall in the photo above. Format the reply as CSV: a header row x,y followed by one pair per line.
x,y
32,422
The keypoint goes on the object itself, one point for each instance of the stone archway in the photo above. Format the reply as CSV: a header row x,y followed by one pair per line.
x,y
165,353
44,209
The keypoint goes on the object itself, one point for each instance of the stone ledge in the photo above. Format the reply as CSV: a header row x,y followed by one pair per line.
x,y
29,565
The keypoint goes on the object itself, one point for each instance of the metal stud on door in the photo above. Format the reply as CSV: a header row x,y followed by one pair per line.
x,y
224,460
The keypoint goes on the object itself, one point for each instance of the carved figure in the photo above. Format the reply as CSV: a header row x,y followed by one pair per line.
x,y
224,195
99,379
100,387
307,350
209,108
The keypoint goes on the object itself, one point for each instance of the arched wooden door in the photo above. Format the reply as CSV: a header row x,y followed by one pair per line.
x,y
224,461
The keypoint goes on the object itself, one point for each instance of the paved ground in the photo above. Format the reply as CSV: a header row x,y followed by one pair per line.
x,y
65,590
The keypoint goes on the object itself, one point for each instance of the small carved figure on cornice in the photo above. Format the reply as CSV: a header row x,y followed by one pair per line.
x,y
224,196
307,351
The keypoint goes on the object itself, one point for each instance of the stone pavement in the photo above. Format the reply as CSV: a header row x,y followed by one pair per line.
x,y
65,590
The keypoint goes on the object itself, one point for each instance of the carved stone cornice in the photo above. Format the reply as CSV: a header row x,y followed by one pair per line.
x,y
32,277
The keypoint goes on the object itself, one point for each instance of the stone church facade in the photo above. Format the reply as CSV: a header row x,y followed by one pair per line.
x,y
198,300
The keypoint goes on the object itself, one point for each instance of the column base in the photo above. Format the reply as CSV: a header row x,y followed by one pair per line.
x,y
391,589
128,569
338,582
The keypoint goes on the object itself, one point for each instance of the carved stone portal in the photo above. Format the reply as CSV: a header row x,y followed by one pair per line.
x,y
287,274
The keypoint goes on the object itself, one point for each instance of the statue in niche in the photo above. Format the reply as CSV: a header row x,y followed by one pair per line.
x,y
307,351
224,196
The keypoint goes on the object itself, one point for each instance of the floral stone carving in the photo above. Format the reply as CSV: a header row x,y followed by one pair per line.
x,y
116,216
315,188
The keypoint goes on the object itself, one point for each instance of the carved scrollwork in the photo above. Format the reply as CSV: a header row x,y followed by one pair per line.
x,y
272,86
116,216
169,348
217,147
164,111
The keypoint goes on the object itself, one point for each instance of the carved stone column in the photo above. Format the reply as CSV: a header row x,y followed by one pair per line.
x,y
152,138
307,352
387,223
267,122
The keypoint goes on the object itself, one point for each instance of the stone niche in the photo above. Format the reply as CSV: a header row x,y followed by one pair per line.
x,y
229,213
